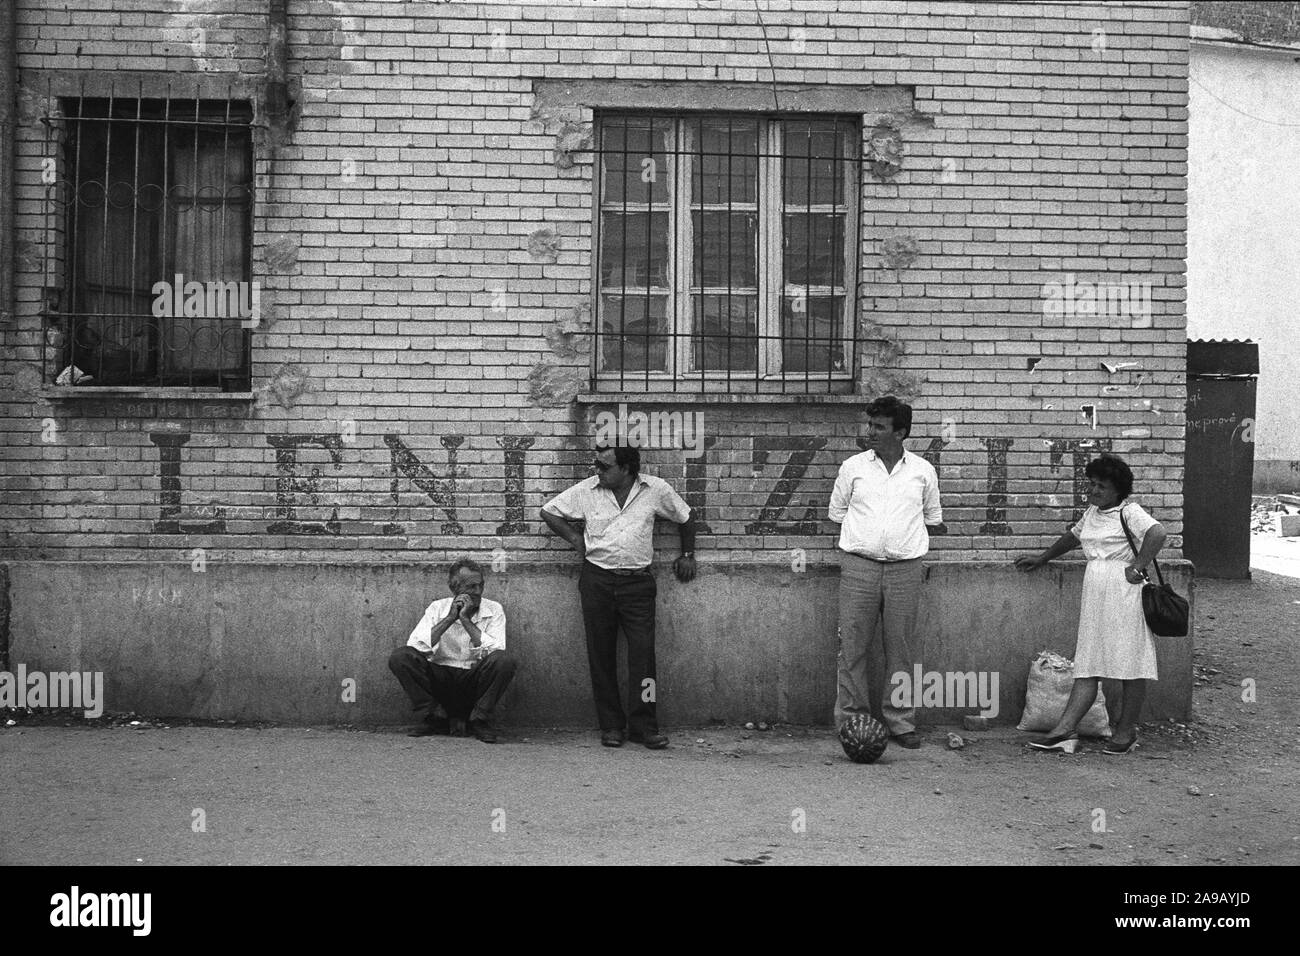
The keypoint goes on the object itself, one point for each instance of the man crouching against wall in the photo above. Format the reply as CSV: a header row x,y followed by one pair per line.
x,y
886,501
456,660
618,506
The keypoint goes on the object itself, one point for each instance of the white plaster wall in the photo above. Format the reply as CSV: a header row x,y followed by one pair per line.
x,y
1243,242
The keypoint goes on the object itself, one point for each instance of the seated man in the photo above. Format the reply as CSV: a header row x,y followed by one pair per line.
x,y
456,658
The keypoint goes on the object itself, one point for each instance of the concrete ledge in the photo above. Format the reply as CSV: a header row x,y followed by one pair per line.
x,y
91,393
718,96
742,642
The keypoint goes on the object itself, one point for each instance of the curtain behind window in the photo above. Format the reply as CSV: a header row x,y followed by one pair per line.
x,y
208,233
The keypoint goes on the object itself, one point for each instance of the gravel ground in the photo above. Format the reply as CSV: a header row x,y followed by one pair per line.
x,y
1221,789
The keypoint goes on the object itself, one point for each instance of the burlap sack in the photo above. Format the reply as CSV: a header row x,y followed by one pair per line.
x,y
1050,678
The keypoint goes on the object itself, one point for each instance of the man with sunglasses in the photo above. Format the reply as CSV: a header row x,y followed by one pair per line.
x,y
618,506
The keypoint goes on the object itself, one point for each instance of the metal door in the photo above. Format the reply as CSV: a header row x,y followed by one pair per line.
x,y
1219,457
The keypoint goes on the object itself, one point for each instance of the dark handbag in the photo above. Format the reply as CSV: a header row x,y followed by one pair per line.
x,y
1164,608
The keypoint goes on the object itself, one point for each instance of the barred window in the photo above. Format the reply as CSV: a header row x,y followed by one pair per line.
x,y
726,253
155,201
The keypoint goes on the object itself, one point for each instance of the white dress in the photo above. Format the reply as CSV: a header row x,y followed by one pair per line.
x,y
1114,640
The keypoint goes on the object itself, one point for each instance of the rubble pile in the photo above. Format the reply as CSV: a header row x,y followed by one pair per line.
x,y
1263,508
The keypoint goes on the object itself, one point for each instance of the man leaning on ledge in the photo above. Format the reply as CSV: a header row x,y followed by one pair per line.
x,y
617,507
456,660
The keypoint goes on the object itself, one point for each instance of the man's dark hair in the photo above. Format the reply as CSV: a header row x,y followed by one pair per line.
x,y
469,564
898,413
629,458
1113,469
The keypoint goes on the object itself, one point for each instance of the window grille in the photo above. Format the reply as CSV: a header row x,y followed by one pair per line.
x,y
149,272
726,253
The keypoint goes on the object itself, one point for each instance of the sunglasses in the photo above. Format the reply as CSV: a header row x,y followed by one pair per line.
x,y
601,466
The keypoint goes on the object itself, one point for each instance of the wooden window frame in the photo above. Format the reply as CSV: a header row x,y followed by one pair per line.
x,y
768,374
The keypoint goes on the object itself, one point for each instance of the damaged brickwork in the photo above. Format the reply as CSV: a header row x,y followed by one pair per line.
x,y
570,337
550,384
882,372
572,134
885,151
899,252
544,245
285,388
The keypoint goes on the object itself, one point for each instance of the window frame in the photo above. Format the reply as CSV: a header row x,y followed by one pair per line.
x,y
210,113
768,375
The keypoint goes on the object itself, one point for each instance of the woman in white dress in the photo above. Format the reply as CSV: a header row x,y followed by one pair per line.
x,y
1114,640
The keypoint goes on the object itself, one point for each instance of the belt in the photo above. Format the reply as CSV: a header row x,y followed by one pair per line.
x,y
622,572
881,560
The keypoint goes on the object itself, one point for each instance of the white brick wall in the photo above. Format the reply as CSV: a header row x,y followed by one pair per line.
x,y
1041,148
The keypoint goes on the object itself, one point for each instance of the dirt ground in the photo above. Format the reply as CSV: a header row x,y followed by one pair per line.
x,y
1222,789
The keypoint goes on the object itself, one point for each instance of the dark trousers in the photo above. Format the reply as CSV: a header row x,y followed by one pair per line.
x,y
609,601
464,692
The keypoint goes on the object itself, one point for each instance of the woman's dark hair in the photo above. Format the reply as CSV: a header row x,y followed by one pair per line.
x,y
626,457
1112,469
899,413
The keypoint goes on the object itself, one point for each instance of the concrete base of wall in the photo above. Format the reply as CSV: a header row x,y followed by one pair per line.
x,y
277,642
1276,477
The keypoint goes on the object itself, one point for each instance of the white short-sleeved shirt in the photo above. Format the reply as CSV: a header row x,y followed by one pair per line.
x,y
455,649
620,538
1102,536
882,513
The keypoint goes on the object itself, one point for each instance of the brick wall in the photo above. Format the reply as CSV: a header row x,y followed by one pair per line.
x,y
413,382
1253,21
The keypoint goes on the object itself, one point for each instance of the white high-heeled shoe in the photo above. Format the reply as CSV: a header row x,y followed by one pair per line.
x,y
1066,745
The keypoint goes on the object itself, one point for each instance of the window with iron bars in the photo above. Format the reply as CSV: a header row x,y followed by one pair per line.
x,y
726,253
154,201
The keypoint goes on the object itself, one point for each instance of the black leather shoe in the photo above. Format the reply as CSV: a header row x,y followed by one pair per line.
x,y
438,727
611,738
654,741
483,731
1112,748
910,740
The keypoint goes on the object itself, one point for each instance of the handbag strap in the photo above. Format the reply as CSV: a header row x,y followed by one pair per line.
x,y
1129,534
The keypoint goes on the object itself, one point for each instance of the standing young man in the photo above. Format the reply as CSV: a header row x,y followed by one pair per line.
x,y
618,506
885,500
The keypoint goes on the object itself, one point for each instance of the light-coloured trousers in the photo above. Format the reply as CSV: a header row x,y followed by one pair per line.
x,y
882,598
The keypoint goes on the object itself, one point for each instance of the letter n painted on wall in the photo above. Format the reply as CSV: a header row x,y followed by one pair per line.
x,y
441,491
